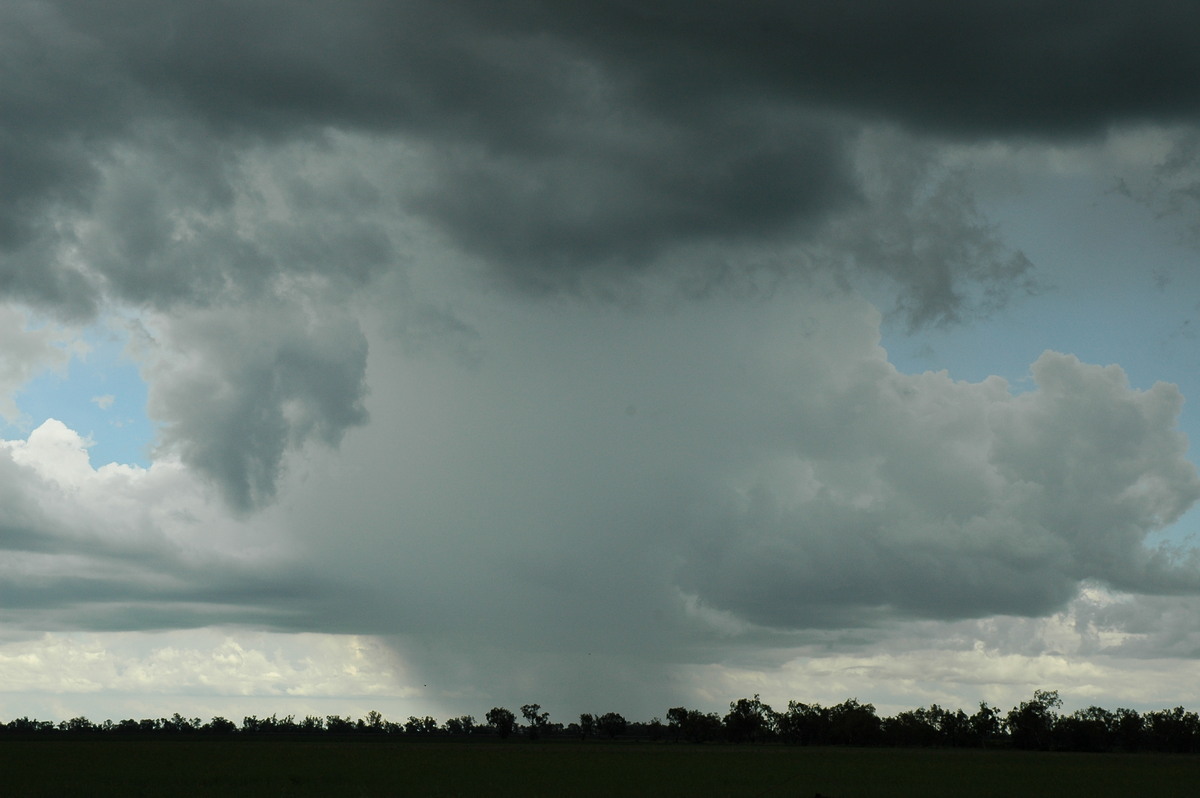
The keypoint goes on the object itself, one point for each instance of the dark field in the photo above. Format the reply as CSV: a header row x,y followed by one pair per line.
x,y
362,768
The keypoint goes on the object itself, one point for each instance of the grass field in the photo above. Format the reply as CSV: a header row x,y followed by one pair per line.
x,y
386,768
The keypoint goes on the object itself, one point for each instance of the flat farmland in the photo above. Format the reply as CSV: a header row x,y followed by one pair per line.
x,y
264,767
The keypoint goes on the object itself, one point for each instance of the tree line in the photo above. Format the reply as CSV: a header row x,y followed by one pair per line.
x,y
1035,724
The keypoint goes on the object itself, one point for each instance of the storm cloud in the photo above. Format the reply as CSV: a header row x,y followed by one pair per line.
x,y
540,330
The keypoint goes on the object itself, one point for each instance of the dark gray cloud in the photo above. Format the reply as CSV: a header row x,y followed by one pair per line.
x,y
498,72
979,69
623,200
566,139
58,107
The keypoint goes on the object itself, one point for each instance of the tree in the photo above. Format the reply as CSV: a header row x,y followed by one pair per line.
x,y
985,725
1090,729
178,724
804,724
77,725
1031,725
749,720
502,720
676,718
1128,729
337,724
852,723
954,728
425,725
536,719
1174,730
23,725
587,725
693,725
914,728
219,725
462,725
612,724
923,727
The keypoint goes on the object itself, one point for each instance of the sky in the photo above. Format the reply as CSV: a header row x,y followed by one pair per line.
x,y
430,357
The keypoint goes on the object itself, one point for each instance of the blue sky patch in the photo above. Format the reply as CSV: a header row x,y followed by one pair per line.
x,y
100,395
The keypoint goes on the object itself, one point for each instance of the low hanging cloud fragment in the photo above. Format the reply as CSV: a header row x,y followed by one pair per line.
x,y
239,389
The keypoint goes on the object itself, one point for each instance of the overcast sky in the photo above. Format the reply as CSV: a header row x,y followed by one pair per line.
x,y
428,357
